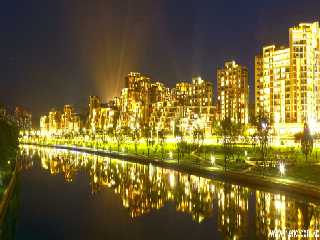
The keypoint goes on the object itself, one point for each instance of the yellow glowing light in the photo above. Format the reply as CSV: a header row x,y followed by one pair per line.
x,y
172,180
282,169
213,160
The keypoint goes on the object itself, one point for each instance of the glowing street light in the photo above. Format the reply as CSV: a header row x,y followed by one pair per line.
x,y
282,169
213,159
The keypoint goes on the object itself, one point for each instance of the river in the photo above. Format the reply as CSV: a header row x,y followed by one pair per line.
x,y
65,194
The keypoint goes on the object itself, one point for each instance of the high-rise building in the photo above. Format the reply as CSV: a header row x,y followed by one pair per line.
x,y
54,121
94,112
57,123
233,92
272,72
287,79
136,99
44,124
70,121
304,95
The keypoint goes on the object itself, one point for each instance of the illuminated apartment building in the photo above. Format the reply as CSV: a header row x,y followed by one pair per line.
x,y
57,123
233,92
163,110
304,95
94,112
66,117
182,93
135,100
109,115
287,79
103,116
70,122
44,124
54,121
259,89
193,105
272,73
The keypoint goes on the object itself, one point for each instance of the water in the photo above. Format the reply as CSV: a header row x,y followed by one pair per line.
x,y
71,195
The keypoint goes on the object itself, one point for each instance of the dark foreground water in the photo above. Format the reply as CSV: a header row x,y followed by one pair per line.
x,y
69,195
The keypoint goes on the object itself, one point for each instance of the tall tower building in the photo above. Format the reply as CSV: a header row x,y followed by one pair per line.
x,y
304,43
94,112
272,73
138,99
287,79
233,92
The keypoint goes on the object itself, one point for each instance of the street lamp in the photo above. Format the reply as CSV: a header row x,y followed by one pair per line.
x,y
282,169
213,159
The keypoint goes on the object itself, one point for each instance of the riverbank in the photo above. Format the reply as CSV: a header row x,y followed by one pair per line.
x,y
274,184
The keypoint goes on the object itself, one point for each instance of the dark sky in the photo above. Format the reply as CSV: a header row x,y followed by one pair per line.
x,y
61,51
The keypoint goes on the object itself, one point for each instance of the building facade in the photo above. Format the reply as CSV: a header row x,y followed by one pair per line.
x,y
233,92
287,79
272,73
60,123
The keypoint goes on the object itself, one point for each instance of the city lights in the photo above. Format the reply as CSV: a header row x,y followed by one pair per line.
x,y
160,120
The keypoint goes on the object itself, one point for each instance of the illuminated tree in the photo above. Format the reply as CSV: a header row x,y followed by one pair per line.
x,y
148,137
306,142
162,138
120,135
229,131
198,136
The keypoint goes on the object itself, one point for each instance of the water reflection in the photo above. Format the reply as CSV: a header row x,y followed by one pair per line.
x,y
143,188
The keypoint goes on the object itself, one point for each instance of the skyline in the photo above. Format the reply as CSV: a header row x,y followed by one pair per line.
x,y
70,80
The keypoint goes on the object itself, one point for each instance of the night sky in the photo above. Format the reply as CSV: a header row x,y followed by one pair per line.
x,y
61,51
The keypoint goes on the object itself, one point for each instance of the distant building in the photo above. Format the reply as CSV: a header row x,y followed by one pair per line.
x,y
60,123
70,121
23,118
54,121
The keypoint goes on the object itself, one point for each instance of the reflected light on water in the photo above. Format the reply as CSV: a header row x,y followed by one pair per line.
x,y
144,188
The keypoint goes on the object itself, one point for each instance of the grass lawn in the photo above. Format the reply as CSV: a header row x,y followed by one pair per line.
x,y
301,170
306,173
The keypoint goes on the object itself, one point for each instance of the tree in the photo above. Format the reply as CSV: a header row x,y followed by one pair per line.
x,y
262,133
120,135
162,137
148,136
306,141
9,134
198,136
135,137
230,132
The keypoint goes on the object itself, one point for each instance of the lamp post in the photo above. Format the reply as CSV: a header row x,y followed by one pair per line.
x,y
178,140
